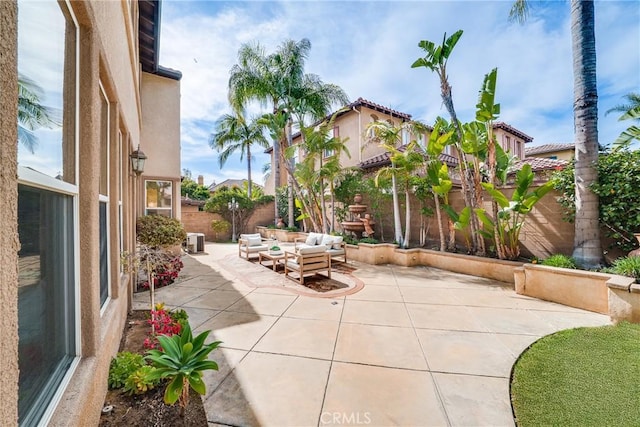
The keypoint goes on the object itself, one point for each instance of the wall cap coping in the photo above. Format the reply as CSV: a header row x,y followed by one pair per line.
x,y
622,283
635,288
568,271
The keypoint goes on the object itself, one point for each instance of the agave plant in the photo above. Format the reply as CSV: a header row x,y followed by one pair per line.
x,y
182,360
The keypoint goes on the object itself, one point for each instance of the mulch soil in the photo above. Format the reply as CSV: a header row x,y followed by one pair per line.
x,y
147,409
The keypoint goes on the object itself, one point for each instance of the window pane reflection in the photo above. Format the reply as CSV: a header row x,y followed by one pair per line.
x,y
45,296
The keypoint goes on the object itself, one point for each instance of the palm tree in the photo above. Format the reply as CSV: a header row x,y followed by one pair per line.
x,y
587,248
436,59
631,111
389,136
32,114
279,80
233,133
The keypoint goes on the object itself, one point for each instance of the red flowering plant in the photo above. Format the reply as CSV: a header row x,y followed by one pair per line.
x,y
162,322
166,273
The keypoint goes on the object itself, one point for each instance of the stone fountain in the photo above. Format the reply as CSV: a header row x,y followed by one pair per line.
x,y
357,224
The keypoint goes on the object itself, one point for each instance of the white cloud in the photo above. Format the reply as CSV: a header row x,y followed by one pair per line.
x,y
367,48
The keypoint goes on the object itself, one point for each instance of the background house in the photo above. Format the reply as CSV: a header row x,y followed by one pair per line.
x,y
564,151
70,202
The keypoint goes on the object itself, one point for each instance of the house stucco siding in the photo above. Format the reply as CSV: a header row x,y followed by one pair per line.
x,y
8,213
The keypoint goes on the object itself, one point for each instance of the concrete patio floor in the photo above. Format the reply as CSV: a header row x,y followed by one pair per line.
x,y
415,347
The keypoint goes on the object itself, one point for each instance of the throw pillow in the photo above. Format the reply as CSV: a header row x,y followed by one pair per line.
x,y
254,241
312,239
327,240
337,241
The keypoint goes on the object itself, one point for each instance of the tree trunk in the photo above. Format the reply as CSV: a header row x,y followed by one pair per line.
x,y
397,225
468,188
276,178
407,218
290,177
586,247
443,242
249,171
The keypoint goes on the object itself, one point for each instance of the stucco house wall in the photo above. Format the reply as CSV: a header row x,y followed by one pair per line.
x,y
109,115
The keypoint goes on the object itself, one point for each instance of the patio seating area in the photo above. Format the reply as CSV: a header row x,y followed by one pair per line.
x,y
397,346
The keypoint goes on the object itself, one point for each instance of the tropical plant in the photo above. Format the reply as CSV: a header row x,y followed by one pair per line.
x,y
508,222
561,261
630,111
182,360
404,163
436,59
317,167
279,80
586,247
234,133
32,115
122,366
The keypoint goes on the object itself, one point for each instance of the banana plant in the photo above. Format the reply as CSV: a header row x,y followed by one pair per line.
x,y
460,222
511,215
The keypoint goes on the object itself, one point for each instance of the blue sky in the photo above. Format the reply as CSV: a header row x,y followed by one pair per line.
x,y
367,47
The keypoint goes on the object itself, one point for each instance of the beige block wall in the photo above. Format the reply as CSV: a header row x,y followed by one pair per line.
x,y
8,214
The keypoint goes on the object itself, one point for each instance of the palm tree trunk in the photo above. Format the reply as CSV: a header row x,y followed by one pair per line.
x,y
407,218
443,243
290,178
468,188
276,177
397,226
249,171
586,247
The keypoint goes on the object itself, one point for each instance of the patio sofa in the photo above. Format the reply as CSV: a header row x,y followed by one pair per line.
x,y
307,260
251,244
335,246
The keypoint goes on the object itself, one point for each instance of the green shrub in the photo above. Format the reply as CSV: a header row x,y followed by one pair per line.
x,y
291,228
142,380
180,316
561,261
158,230
122,366
370,240
626,266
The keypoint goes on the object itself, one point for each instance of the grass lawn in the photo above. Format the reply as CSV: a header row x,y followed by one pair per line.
x,y
578,377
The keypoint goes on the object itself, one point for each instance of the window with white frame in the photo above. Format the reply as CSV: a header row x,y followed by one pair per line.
x,y
158,196
48,342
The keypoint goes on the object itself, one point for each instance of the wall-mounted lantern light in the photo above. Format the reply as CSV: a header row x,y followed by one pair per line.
x,y
137,161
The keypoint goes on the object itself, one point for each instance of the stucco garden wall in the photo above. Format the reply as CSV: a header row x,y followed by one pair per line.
x,y
200,222
544,232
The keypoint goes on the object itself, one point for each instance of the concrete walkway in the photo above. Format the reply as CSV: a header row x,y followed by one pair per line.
x,y
417,346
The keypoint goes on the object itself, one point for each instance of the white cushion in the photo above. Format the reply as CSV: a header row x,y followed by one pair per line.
x,y
255,241
254,249
337,242
248,236
312,239
334,252
312,250
327,240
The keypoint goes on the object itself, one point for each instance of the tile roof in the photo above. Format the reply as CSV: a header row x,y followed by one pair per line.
x,y
384,159
512,130
548,148
540,164
230,183
185,201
